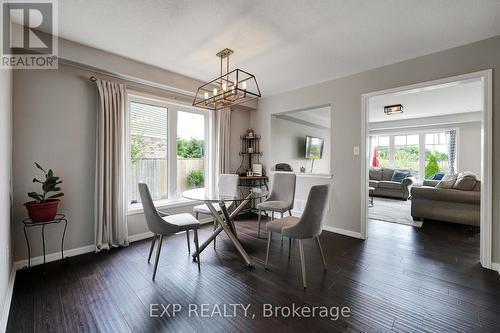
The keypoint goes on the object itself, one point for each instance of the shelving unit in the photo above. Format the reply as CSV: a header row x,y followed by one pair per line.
x,y
250,152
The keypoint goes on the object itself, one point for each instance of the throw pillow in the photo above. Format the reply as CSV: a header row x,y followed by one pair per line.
x,y
399,175
466,181
447,182
437,176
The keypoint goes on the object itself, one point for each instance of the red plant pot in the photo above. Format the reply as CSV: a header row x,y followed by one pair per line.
x,y
42,212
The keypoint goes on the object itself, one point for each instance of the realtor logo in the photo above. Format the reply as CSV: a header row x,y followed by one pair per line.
x,y
29,34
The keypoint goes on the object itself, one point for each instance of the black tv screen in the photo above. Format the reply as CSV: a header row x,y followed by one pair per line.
x,y
314,147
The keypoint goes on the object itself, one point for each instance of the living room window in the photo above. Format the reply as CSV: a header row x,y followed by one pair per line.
x,y
424,153
167,145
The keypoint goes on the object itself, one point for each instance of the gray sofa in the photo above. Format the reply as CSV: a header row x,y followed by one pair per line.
x,y
381,180
450,205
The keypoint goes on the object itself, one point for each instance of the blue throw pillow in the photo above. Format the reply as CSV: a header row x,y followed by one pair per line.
x,y
399,175
437,176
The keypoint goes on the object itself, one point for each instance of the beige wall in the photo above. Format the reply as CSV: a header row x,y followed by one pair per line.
x,y
5,182
344,95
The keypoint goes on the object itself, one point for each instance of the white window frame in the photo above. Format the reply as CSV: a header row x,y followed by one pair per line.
x,y
173,107
421,146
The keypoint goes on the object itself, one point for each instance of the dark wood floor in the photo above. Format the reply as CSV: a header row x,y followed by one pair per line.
x,y
400,279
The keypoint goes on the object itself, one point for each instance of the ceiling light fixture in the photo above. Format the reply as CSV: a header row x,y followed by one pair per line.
x,y
229,89
393,109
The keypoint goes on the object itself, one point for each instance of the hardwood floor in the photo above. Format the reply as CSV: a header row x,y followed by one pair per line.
x,y
400,279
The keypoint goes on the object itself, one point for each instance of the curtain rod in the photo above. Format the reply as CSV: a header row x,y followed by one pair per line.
x,y
125,77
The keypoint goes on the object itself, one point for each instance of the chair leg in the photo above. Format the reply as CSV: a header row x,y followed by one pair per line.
x,y
289,247
152,247
269,236
189,245
282,234
321,251
258,230
197,247
302,262
196,215
272,216
215,227
158,250
290,212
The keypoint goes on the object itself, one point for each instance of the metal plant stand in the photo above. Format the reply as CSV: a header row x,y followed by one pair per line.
x,y
28,224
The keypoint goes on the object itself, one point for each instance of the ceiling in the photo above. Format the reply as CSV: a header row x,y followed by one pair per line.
x,y
286,43
453,98
318,116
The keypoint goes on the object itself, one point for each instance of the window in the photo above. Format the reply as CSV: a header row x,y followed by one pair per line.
x,y
406,153
424,153
383,144
167,148
436,152
148,150
190,150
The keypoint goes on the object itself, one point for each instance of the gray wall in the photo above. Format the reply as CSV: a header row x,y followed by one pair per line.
x,y
5,181
344,95
240,122
54,124
288,139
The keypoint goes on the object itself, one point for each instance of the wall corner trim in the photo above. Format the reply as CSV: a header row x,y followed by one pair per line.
x,y
344,232
496,267
8,300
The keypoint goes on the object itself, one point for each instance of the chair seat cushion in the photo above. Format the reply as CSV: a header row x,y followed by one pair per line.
x,y
277,206
184,221
203,209
389,185
278,225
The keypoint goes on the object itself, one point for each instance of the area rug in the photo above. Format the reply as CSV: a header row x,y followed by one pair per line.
x,y
392,210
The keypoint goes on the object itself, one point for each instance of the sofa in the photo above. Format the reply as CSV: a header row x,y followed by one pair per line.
x,y
381,179
443,204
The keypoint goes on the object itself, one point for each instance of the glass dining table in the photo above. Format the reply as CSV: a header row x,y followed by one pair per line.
x,y
224,219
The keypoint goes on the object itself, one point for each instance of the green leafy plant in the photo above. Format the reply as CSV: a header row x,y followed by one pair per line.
x,y
50,184
192,148
432,166
137,147
196,178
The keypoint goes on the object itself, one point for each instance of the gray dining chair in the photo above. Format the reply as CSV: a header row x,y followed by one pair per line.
x,y
281,197
227,185
308,226
161,224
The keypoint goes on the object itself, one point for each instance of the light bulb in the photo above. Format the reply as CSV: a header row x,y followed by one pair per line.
x,y
215,91
224,87
206,95
244,85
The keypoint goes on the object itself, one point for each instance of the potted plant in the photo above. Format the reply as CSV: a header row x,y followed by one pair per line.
x,y
44,208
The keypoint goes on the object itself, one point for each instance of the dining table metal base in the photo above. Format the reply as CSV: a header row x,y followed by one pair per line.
x,y
226,224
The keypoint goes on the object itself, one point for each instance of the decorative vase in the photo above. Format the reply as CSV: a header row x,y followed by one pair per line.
x,y
42,212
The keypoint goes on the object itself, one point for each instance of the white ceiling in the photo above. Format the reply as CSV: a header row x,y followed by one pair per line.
x,y
459,97
286,43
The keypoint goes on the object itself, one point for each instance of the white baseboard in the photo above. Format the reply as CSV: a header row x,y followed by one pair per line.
x,y
54,256
496,267
8,300
82,250
344,232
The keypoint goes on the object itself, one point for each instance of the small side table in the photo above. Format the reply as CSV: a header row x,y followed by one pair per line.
x,y
28,224
371,191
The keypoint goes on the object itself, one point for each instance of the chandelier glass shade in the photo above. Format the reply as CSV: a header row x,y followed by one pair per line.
x,y
229,89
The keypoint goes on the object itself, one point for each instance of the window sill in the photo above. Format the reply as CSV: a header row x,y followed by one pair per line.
x,y
135,209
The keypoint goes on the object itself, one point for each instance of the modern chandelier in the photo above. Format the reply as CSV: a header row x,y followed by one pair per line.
x,y
229,89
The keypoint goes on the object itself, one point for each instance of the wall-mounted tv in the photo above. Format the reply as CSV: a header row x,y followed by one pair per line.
x,y
314,147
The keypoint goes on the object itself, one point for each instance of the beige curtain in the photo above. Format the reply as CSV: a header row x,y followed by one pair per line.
x,y
223,133
110,215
